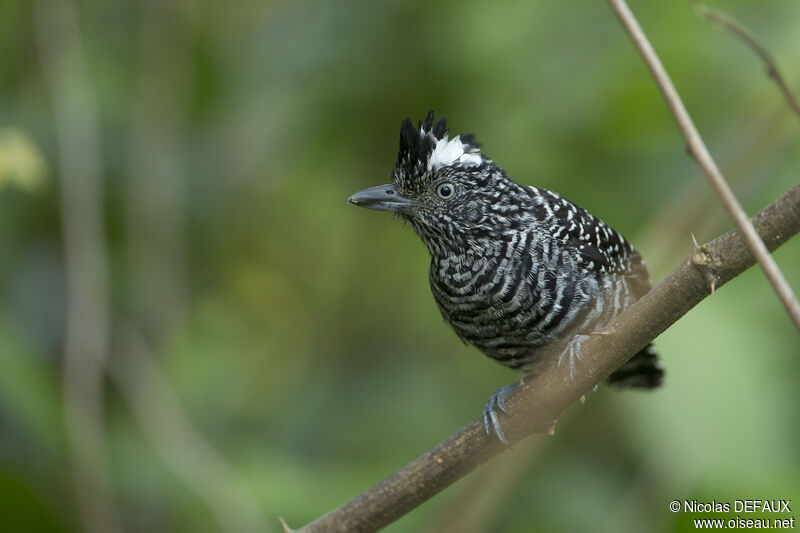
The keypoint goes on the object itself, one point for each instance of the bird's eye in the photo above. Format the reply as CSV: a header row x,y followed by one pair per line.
x,y
445,190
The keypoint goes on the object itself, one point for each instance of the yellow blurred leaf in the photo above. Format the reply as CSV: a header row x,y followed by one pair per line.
x,y
21,162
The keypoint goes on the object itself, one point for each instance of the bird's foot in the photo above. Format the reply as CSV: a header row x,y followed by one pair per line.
x,y
497,401
572,353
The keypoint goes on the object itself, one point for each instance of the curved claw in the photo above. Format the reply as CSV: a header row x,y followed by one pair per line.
x,y
574,353
497,401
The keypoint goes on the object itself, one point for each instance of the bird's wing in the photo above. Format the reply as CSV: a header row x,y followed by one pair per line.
x,y
595,245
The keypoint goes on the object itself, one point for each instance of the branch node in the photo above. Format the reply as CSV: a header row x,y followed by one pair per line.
x,y
706,261
285,526
773,74
701,256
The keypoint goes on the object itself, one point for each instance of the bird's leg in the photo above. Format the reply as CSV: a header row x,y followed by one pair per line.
x,y
497,401
572,353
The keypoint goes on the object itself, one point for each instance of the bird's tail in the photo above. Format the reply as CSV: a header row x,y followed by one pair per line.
x,y
643,371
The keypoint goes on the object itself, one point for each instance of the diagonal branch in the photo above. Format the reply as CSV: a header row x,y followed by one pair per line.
x,y
540,401
707,164
739,30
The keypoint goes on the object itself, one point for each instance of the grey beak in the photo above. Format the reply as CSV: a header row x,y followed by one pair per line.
x,y
382,198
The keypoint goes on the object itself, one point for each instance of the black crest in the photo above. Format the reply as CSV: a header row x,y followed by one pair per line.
x,y
417,145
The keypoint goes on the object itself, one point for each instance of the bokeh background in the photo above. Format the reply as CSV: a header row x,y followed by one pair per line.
x,y
198,334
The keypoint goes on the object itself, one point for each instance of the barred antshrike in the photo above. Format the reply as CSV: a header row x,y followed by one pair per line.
x,y
516,270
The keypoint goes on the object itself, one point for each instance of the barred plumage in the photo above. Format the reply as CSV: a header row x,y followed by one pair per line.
x,y
515,270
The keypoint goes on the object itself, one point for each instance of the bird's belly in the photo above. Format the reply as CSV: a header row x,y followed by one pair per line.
x,y
514,328
504,329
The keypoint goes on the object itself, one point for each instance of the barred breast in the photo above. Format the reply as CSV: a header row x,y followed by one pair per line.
x,y
523,294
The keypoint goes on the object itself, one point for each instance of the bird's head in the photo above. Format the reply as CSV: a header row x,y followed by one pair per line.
x,y
445,188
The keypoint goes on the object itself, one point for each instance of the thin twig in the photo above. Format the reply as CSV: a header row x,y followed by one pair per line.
x,y
542,399
87,318
739,30
704,159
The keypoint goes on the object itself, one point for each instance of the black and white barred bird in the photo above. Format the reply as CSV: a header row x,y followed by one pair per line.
x,y
516,270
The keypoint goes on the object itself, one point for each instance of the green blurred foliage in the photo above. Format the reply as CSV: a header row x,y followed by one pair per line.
x,y
20,162
303,341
